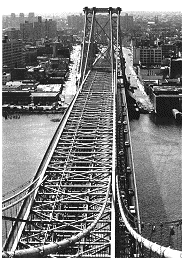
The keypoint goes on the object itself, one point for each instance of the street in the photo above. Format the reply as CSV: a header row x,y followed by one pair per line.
x,y
69,89
139,93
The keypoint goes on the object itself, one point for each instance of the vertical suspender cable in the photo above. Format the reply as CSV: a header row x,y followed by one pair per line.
x,y
111,46
83,47
90,42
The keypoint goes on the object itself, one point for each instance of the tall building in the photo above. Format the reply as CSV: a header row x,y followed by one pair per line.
x,y
27,31
127,22
176,68
5,22
21,18
168,50
31,56
38,29
31,17
12,33
75,22
136,56
156,19
50,28
151,56
12,20
13,56
147,56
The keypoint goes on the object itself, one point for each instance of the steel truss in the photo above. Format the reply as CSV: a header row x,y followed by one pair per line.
x,y
77,185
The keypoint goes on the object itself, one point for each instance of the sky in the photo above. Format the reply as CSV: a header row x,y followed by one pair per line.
x,y
75,6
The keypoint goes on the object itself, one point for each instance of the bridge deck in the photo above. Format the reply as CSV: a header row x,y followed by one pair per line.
x,y
78,176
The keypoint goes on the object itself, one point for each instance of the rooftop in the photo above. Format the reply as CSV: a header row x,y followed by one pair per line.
x,y
44,94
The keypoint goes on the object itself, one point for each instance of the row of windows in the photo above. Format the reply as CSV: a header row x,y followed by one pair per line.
x,y
19,43
149,57
16,59
151,60
149,54
142,58
156,57
152,52
8,48
12,54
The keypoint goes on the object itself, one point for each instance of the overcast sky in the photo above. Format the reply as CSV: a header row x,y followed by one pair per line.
x,y
61,6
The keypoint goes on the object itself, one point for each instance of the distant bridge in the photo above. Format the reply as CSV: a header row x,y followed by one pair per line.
x,y
83,200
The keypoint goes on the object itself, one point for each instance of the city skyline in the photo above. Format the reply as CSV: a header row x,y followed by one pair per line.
x,y
73,6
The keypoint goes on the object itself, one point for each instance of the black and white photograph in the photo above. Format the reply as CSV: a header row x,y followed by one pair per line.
x,y
91,129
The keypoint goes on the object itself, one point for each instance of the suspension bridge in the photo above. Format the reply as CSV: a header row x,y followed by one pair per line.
x,y
83,199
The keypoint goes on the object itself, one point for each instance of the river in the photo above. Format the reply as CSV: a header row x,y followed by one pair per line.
x,y
156,144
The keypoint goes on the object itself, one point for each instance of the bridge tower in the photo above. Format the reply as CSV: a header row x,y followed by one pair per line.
x,y
102,38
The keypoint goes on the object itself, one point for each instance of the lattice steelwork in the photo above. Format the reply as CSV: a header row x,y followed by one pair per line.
x,y
100,31
78,177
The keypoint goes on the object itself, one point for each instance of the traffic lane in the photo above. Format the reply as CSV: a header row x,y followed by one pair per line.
x,y
129,70
70,87
139,92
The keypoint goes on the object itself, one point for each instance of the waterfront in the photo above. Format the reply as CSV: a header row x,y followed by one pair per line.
x,y
25,138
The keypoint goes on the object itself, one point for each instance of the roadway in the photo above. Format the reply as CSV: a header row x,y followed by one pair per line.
x,y
70,87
